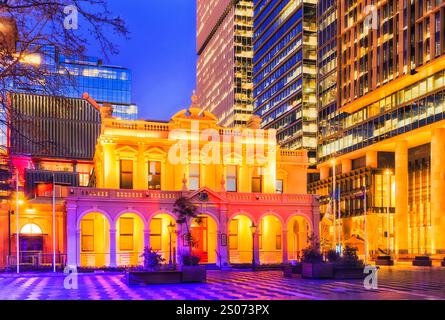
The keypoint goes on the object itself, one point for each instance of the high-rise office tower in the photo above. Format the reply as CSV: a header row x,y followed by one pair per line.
x,y
285,72
329,120
391,88
225,53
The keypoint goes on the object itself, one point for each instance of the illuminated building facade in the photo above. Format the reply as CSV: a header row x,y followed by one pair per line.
x,y
285,72
391,86
225,52
141,168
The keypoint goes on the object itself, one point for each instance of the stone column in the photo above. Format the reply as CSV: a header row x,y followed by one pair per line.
x,y
315,217
256,247
141,176
285,246
72,236
223,250
113,256
110,171
324,173
147,238
438,191
401,218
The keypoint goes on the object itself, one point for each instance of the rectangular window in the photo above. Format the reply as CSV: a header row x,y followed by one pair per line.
x,y
126,174
156,234
126,234
87,237
194,177
154,175
280,186
232,178
257,180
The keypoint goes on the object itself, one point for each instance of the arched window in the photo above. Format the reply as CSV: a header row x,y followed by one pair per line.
x,y
31,228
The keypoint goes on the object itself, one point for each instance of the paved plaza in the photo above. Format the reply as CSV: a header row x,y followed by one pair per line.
x,y
393,283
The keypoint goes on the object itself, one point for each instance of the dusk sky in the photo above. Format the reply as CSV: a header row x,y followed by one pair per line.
x,y
161,53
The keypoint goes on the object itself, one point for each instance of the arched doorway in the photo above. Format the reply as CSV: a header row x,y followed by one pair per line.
x,y
270,233
240,240
298,233
204,232
31,243
94,240
163,236
129,240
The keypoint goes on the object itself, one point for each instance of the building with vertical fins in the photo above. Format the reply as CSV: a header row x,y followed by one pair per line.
x,y
285,72
391,144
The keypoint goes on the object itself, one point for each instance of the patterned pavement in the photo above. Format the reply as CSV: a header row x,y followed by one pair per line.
x,y
394,283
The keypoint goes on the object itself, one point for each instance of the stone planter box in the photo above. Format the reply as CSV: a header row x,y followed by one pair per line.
x,y
422,261
194,274
153,277
345,272
289,271
384,261
318,270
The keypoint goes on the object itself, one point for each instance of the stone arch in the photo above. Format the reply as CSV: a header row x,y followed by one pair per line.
x,y
271,241
94,210
131,211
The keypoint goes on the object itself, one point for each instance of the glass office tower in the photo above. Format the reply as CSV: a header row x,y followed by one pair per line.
x,y
225,53
106,84
285,72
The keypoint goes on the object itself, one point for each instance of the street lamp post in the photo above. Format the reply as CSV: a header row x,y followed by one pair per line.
x,y
171,228
253,228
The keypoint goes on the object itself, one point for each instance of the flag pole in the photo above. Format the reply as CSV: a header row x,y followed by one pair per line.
x,y
366,233
334,195
17,225
54,224
339,220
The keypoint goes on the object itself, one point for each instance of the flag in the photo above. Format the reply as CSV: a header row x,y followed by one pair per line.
x,y
328,216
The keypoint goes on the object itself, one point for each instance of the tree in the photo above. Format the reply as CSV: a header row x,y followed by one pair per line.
x,y
30,31
186,212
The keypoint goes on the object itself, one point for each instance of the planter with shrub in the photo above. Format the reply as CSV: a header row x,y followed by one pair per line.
x,y
192,271
152,273
348,266
295,268
313,266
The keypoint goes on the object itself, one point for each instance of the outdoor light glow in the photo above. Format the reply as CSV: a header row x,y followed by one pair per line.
x,y
31,229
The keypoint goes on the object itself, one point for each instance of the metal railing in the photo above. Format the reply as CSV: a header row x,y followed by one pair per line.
x,y
36,259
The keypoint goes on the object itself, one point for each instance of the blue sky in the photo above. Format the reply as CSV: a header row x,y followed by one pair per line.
x,y
161,53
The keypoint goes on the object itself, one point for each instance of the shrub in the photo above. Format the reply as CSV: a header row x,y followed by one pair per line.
x,y
350,257
190,260
312,254
152,259
333,256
